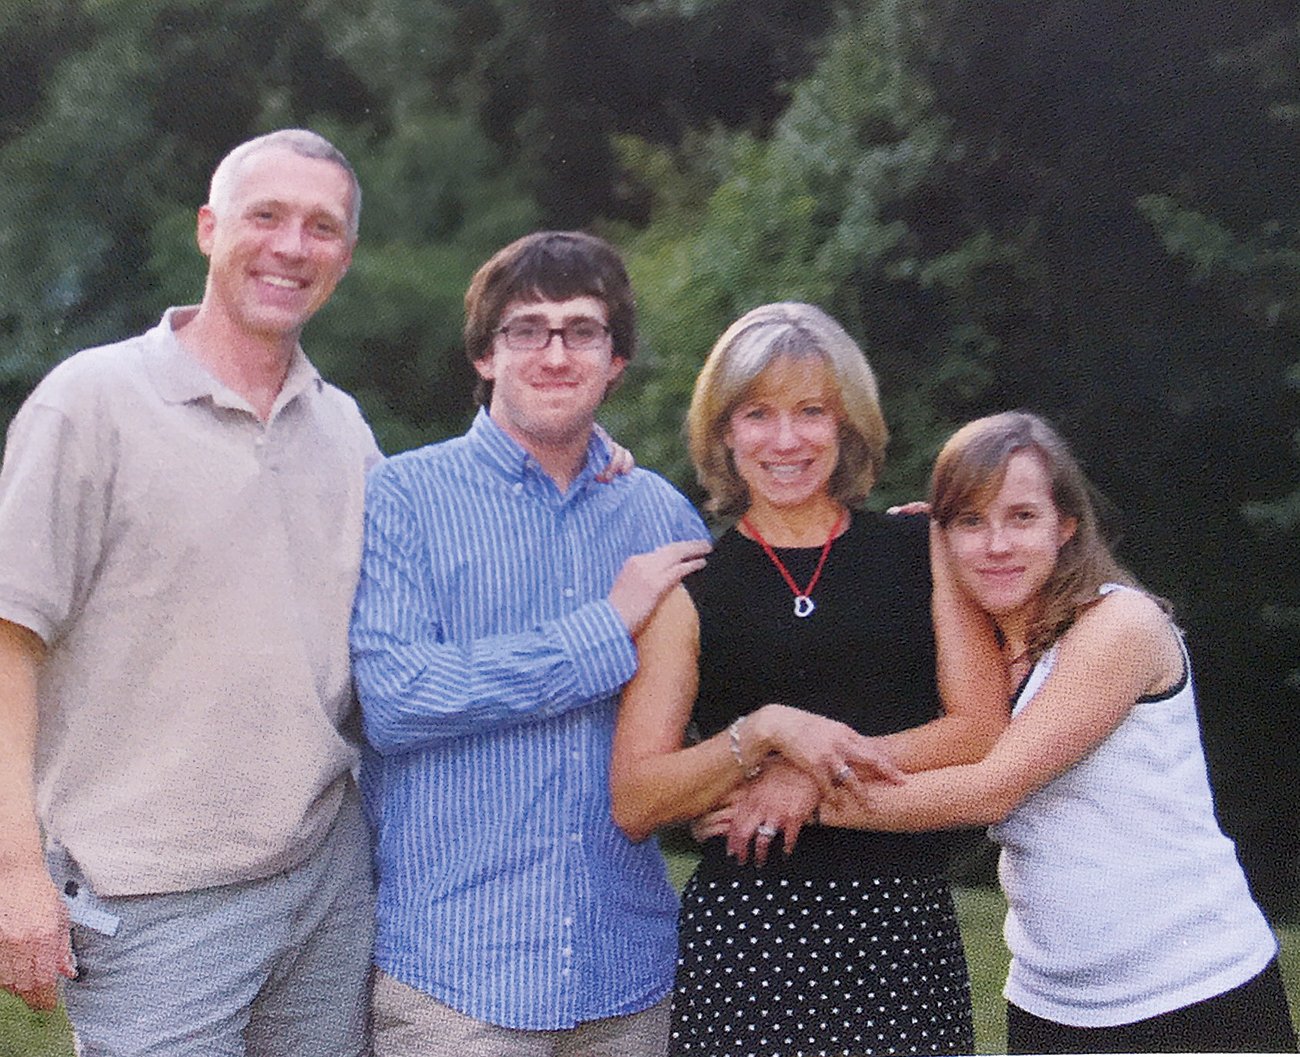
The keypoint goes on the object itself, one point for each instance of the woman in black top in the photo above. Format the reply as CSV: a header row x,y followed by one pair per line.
x,y
805,656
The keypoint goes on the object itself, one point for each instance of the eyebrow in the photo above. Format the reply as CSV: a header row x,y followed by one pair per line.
x,y
539,317
280,203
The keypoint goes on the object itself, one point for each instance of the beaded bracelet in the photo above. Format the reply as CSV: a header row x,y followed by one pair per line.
x,y
733,735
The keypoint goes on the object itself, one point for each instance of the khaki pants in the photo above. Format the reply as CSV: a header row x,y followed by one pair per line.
x,y
409,1023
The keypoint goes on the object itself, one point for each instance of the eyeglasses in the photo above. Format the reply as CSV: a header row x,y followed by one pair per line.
x,y
578,335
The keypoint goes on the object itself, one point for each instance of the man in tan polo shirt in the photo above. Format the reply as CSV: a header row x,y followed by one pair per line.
x,y
180,533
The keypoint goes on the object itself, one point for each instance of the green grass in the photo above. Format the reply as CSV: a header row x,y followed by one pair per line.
x,y
981,911
27,1034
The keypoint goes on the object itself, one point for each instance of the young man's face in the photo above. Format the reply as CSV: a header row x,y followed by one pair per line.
x,y
547,398
281,244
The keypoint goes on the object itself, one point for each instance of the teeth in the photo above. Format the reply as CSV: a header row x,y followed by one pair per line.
x,y
281,281
785,473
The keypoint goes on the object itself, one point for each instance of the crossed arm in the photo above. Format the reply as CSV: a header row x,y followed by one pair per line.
x,y
655,779
651,788
1121,648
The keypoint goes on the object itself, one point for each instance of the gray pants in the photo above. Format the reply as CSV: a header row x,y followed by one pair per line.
x,y
409,1023
277,967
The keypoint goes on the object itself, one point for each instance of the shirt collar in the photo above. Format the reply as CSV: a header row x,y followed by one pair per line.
x,y
181,378
495,447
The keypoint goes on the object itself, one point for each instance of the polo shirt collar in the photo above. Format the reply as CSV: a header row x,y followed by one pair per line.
x,y
496,448
181,378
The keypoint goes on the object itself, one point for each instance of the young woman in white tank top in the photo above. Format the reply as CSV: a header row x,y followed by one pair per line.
x,y
1131,926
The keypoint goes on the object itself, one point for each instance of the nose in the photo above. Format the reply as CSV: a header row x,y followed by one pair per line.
x,y
553,353
289,240
997,540
787,436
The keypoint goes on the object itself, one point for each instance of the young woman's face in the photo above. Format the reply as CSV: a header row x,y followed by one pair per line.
x,y
1004,552
784,437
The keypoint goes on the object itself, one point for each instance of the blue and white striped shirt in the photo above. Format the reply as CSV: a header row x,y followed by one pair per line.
x,y
488,663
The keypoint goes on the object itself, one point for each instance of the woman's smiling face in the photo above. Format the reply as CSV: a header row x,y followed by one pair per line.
x,y
1004,551
784,435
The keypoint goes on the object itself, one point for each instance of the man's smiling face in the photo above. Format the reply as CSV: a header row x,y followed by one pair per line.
x,y
281,243
547,398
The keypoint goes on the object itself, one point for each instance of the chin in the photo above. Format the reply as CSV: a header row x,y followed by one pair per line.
x,y
786,501
275,324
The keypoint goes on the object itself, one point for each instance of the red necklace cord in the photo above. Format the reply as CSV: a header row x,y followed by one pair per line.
x,y
803,603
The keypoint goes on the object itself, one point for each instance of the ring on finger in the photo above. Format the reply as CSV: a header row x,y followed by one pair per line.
x,y
766,829
842,774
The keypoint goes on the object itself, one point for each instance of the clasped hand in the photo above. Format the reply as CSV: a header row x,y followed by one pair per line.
x,y
816,759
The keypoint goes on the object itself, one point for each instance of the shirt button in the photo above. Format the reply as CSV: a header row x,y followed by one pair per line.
x,y
568,922
568,592
567,952
519,487
575,837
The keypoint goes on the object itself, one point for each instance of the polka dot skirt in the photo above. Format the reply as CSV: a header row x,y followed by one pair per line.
x,y
796,968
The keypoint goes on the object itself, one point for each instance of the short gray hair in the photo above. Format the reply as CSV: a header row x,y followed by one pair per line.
x,y
300,141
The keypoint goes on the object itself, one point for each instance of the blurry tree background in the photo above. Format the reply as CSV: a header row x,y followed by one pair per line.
x,y
1089,210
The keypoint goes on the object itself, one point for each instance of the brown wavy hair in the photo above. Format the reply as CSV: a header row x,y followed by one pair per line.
x,y
967,475
548,266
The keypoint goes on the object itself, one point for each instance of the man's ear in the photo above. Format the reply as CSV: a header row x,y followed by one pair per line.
x,y
486,366
205,229
617,365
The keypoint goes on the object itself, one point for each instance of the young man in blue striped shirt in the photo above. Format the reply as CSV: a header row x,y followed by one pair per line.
x,y
502,586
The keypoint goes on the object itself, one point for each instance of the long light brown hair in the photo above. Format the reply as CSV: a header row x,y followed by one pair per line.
x,y
967,475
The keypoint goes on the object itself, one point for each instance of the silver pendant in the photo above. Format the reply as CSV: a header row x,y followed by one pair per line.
x,y
803,605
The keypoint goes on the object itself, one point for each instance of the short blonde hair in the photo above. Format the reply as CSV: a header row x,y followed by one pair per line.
x,y
793,330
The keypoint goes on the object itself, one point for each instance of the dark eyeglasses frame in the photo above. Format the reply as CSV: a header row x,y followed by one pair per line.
x,y
551,332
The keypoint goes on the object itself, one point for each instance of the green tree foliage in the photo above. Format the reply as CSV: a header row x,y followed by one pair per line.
x,y
469,124
1261,273
121,134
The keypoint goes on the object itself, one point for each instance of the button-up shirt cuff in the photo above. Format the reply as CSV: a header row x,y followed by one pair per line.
x,y
604,656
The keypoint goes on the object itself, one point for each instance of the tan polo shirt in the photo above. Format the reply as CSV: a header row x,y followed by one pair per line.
x,y
191,570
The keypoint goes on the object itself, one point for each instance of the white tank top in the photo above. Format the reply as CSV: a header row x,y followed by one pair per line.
x,y
1125,898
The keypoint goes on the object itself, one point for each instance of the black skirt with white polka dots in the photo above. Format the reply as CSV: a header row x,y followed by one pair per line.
x,y
797,967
